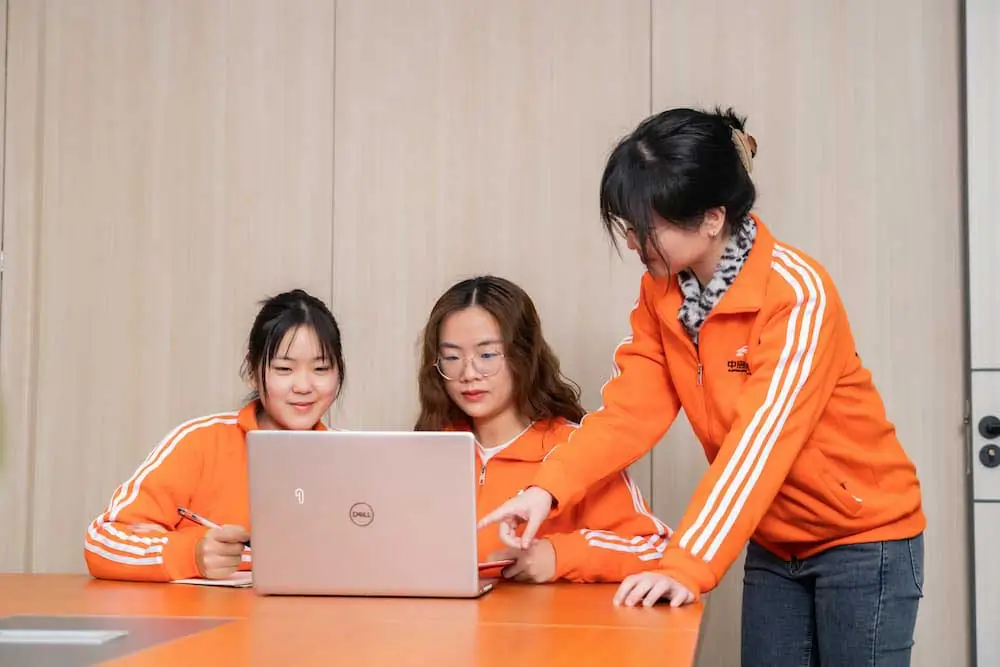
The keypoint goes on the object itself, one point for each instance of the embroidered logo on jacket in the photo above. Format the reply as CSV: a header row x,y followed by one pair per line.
x,y
739,364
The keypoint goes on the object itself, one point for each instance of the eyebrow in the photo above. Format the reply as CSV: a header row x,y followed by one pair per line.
x,y
482,343
284,358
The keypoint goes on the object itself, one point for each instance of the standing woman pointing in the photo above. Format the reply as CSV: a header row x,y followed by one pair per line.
x,y
749,337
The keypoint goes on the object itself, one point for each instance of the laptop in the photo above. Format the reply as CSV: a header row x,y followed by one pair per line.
x,y
356,513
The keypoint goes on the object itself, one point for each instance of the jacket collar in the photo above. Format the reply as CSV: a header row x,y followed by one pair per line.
x,y
247,418
531,445
746,294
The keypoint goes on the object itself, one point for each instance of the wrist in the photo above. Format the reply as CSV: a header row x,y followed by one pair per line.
x,y
540,490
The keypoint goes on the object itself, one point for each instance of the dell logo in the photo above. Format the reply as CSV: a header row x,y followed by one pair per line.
x,y
300,496
361,514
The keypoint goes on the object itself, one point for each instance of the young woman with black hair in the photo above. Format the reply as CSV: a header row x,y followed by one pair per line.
x,y
749,337
295,366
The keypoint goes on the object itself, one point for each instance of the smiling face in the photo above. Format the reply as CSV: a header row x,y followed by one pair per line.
x,y
471,359
301,383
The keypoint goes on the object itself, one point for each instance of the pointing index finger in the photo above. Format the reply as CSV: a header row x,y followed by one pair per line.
x,y
499,514
532,526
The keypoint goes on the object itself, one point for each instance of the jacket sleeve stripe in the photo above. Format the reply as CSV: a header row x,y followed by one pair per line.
x,y
122,490
645,547
143,551
639,504
818,295
111,530
791,371
156,458
124,560
616,371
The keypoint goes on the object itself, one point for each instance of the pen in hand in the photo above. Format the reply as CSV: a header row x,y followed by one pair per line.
x,y
191,516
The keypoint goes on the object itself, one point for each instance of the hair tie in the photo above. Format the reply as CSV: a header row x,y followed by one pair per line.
x,y
746,147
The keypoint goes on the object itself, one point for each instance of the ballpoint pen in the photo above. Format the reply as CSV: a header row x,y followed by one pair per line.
x,y
188,514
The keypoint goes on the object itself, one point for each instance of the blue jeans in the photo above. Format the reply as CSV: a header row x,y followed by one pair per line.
x,y
850,606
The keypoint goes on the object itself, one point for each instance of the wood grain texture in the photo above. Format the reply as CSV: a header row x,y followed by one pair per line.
x,y
470,139
183,171
169,164
562,624
855,108
17,298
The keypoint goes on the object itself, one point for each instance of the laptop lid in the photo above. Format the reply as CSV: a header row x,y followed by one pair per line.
x,y
363,513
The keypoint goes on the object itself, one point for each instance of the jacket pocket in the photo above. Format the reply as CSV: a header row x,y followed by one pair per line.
x,y
838,487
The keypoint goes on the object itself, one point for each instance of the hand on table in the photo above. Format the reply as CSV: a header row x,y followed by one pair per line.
x,y
648,587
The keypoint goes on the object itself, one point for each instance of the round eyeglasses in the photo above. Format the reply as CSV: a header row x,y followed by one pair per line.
x,y
485,364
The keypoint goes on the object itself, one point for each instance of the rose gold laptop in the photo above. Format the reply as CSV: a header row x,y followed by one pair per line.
x,y
364,514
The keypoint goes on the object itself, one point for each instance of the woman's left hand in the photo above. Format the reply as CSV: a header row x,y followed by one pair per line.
x,y
648,587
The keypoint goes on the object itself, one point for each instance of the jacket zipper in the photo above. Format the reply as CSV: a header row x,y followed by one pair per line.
x,y
702,390
482,474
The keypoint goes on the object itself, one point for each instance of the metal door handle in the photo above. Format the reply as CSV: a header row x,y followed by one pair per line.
x,y
989,427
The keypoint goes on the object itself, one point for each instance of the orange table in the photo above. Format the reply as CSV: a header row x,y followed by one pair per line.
x,y
560,624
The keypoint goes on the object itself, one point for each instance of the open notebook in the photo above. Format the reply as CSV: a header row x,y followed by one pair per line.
x,y
235,580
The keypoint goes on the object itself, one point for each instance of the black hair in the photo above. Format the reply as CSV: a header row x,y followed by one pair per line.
x,y
288,312
676,164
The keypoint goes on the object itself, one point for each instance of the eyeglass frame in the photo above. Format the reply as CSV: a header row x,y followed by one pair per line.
x,y
467,359
622,227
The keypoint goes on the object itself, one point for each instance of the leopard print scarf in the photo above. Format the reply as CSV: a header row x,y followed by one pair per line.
x,y
698,302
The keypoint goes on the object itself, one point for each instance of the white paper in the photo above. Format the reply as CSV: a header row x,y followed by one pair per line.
x,y
51,636
235,580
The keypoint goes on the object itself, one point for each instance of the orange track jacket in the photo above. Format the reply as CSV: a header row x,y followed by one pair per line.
x,y
607,536
803,457
200,465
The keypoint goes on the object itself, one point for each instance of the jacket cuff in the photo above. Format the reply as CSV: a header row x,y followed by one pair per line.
x,y
691,572
179,553
557,486
566,560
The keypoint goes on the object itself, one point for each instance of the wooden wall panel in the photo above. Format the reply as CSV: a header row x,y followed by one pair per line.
x,y
16,337
183,171
168,164
855,107
470,138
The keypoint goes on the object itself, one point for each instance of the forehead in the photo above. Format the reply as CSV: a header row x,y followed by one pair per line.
x,y
469,326
299,342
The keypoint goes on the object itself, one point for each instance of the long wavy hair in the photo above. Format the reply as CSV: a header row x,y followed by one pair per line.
x,y
541,391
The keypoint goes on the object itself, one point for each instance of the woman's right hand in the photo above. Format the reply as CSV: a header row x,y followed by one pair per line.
x,y
529,507
220,551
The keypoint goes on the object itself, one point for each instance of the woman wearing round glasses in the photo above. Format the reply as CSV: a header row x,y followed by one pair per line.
x,y
487,368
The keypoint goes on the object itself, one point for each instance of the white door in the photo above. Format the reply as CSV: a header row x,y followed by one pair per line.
x,y
983,141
